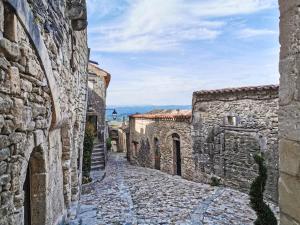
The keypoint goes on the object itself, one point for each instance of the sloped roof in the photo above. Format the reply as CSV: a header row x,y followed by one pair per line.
x,y
94,69
239,89
181,115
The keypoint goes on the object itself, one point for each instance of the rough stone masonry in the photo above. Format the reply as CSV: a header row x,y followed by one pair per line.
x,y
289,113
229,126
43,83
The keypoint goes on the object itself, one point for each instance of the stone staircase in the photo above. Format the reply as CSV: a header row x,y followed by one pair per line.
x,y
98,157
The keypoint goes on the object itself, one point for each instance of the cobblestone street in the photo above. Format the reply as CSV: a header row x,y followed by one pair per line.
x,y
134,195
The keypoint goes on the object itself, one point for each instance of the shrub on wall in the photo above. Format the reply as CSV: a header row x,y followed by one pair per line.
x,y
87,151
108,144
265,216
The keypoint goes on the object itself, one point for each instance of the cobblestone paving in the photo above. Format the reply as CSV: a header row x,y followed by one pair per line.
x,y
132,195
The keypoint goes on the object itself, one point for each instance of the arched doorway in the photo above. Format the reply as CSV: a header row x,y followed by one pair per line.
x,y
34,189
157,154
176,154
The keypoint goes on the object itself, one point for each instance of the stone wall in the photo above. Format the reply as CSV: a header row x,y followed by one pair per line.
x,y
228,127
146,136
289,109
43,64
98,81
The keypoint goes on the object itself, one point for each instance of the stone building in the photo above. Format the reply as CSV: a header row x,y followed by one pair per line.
x,y
289,113
98,81
229,126
162,140
123,135
43,79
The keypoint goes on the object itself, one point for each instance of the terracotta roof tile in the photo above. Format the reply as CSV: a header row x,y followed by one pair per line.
x,y
239,89
186,115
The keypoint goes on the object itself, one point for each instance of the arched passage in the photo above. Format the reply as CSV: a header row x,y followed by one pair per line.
x,y
157,154
176,154
35,189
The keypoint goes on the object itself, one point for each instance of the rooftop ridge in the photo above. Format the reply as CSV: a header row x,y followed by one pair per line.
x,y
239,89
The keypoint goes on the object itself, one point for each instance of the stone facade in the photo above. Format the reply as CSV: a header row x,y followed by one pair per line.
x,y
162,141
98,81
289,117
123,135
43,80
229,126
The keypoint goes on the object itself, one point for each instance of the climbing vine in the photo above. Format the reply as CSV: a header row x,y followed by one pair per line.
x,y
87,151
265,216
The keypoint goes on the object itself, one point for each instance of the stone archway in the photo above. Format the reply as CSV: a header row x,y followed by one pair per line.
x,y
35,190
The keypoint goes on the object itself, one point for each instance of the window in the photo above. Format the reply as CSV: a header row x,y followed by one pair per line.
x,y
10,24
231,121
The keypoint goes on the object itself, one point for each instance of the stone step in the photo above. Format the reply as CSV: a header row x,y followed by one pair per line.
x,y
98,167
98,160
99,146
97,154
97,150
98,164
98,157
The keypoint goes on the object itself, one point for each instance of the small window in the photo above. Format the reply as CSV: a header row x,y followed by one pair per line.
x,y
231,120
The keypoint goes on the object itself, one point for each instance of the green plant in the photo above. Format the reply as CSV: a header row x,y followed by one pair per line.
x,y
108,143
87,150
265,216
215,181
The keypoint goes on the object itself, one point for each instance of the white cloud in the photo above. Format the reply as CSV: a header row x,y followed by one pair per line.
x,y
156,25
250,32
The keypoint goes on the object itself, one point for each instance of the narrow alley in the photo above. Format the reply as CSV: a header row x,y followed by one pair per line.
x,y
136,195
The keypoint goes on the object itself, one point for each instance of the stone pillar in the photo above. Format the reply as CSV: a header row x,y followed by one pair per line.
x,y
289,112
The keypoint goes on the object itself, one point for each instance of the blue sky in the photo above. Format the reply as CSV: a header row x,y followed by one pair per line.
x,y
160,51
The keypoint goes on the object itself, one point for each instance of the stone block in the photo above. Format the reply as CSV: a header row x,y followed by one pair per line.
x,y
17,137
15,84
290,81
3,167
39,137
4,141
8,127
290,121
18,200
38,110
18,112
26,85
5,104
289,154
10,49
4,179
27,123
32,68
4,64
289,198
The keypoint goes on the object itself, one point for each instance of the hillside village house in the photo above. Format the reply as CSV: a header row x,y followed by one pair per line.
x,y
98,82
43,102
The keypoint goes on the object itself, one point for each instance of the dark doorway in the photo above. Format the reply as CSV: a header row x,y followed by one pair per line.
x,y
177,154
27,206
157,154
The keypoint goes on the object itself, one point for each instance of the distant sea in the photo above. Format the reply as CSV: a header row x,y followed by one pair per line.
x,y
125,111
